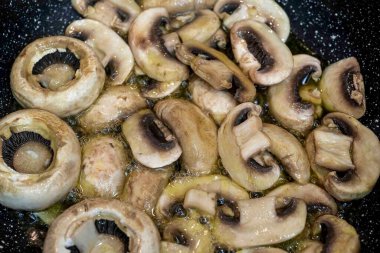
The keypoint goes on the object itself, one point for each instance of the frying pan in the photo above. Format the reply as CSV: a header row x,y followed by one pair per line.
x,y
332,29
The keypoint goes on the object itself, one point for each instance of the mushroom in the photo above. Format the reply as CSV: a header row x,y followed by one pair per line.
x,y
276,220
215,68
40,159
195,132
125,100
154,89
144,186
316,199
340,236
117,14
151,142
310,246
58,74
264,11
171,198
286,105
344,154
104,161
260,53
178,6
190,234
289,151
147,44
342,88
204,24
242,148
215,102
100,225
169,247
218,40
112,50
204,202
262,250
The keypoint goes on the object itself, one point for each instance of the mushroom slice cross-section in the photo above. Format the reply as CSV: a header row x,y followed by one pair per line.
x,y
117,14
289,151
40,159
176,191
344,154
340,236
285,103
148,47
242,148
276,220
151,142
217,69
316,199
125,100
342,88
195,132
178,6
112,50
99,225
59,74
104,161
260,53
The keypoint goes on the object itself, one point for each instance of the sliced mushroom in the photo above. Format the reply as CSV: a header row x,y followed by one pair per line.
x,y
144,186
151,142
58,74
310,246
363,150
289,151
147,44
39,162
204,24
189,233
195,131
117,14
276,220
175,192
125,100
104,161
262,250
232,11
170,247
215,68
218,40
340,236
342,88
215,102
95,225
260,53
242,146
316,199
112,50
286,105
155,89
204,202
178,6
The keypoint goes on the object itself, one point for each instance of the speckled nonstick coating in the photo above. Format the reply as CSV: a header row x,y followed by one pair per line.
x,y
334,29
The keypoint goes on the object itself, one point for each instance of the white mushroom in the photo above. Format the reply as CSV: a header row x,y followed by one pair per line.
x,y
178,6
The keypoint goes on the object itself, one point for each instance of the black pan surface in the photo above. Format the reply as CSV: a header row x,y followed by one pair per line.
x,y
333,29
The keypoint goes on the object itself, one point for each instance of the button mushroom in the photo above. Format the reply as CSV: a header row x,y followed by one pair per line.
x,y
175,192
242,148
195,132
342,88
147,44
350,152
40,159
286,105
215,102
289,151
218,40
104,161
99,225
340,236
179,6
58,74
151,142
275,220
316,199
260,53
117,14
215,68
112,51
125,100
